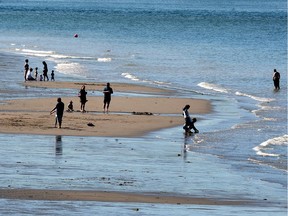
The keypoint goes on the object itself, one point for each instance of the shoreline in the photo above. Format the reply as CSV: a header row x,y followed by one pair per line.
x,y
128,116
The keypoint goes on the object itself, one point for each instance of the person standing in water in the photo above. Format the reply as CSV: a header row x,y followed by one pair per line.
x,y
107,97
26,69
276,79
189,123
45,71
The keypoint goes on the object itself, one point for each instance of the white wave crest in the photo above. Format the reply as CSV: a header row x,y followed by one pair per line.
x,y
268,145
54,55
104,59
213,87
71,68
130,76
255,97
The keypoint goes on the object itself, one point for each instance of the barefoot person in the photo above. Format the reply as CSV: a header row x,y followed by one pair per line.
x,y
189,123
59,110
107,97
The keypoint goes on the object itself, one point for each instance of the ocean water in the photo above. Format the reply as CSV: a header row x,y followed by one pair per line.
x,y
222,51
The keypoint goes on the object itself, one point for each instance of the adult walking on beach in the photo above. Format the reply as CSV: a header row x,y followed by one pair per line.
x,y
59,110
276,79
45,71
189,123
82,94
107,97
26,69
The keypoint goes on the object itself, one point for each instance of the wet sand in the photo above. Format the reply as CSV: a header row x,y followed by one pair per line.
x,y
105,196
128,116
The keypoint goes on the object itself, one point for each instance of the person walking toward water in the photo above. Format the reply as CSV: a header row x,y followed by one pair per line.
x,y
26,69
45,71
107,97
189,123
276,79
59,110
82,94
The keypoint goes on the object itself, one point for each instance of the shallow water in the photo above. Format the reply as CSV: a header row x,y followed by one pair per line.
x,y
134,165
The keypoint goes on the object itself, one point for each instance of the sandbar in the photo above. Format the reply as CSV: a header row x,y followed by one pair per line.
x,y
128,116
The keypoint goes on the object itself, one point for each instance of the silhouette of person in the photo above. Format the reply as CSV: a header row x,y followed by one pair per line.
x,y
36,73
26,69
276,79
45,71
82,94
70,107
52,76
107,97
59,110
189,123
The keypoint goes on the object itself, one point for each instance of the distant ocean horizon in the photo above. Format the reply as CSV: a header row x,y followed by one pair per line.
x,y
222,51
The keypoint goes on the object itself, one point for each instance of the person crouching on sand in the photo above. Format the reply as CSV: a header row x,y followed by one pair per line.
x,y
189,123
70,107
59,110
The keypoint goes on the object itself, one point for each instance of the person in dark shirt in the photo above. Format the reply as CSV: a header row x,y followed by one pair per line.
x,y
107,97
189,123
276,79
26,69
83,99
45,71
59,110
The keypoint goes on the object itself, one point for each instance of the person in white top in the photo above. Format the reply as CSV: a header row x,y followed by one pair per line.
x,y
189,123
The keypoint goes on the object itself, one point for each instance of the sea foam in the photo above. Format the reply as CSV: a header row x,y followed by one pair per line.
x,y
269,145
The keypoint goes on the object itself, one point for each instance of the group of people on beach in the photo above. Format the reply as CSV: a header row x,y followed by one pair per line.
x,y
29,76
59,108
189,124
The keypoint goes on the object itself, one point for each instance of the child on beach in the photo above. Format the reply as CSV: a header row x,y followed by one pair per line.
x,y
59,110
189,123
29,75
36,73
70,107
52,76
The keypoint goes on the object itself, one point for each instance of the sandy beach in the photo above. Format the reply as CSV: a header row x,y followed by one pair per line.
x,y
128,116
104,196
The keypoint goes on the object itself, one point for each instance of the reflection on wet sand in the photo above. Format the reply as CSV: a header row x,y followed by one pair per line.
x,y
58,145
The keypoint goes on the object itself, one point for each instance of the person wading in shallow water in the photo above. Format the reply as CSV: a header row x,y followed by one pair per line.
x,y
276,79
189,123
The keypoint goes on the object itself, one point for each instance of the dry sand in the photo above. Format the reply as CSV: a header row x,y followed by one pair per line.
x,y
32,116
